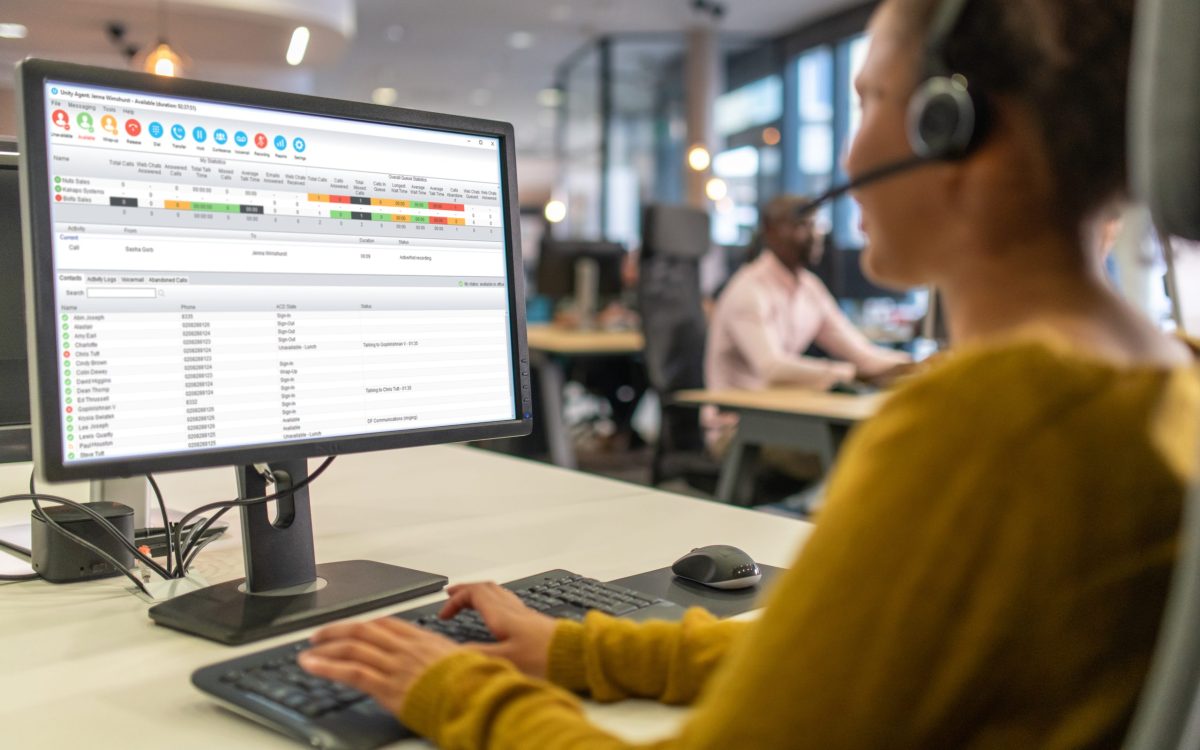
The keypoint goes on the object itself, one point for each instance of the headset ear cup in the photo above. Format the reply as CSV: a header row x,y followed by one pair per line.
x,y
943,119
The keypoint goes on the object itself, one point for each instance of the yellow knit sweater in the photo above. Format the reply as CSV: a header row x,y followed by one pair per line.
x,y
988,572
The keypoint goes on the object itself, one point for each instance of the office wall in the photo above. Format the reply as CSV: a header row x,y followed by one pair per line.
x,y
8,112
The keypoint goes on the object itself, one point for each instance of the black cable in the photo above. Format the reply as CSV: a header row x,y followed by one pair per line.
x,y
34,498
162,507
199,528
15,548
874,175
226,505
183,548
200,545
25,577
18,552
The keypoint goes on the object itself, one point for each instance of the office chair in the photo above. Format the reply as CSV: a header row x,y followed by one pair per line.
x,y
1165,158
674,238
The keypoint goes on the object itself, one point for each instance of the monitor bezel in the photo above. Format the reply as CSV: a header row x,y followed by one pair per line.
x,y
15,437
39,270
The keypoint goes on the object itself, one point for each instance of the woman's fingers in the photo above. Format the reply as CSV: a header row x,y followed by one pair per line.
x,y
345,667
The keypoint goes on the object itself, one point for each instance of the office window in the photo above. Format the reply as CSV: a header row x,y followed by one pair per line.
x,y
814,138
752,105
847,216
736,215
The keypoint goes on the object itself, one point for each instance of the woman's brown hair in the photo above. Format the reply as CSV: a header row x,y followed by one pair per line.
x,y
1067,62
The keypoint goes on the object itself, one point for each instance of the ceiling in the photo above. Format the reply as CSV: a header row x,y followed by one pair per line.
x,y
444,55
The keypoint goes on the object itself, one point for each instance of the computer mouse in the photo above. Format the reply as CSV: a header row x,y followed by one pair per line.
x,y
718,566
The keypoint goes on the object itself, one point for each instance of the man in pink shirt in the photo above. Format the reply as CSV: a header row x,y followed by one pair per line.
x,y
771,311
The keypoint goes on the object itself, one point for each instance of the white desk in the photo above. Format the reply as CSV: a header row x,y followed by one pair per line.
x,y
83,667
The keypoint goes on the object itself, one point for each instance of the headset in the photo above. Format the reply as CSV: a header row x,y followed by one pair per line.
x,y
947,118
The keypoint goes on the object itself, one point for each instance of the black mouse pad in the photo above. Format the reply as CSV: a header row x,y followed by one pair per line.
x,y
663,583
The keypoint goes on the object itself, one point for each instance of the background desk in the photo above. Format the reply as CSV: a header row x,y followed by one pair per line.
x,y
810,421
83,667
546,344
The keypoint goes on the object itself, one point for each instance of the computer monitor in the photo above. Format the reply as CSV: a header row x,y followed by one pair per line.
x,y
14,370
227,276
557,265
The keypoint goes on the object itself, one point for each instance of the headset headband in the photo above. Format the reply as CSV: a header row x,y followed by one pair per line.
x,y
945,21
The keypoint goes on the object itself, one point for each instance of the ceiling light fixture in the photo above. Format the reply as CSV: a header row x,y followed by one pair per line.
x,y
298,46
163,60
13,31
520,40
698,158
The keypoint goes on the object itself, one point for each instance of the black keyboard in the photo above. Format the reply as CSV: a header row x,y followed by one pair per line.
x,y
270,687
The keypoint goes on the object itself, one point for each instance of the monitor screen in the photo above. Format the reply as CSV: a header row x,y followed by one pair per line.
x,y
227,277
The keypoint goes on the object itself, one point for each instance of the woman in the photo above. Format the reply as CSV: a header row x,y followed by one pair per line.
x,y
992,561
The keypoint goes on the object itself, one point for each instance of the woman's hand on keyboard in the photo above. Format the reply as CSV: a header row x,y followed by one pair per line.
x,y
382,658
522,635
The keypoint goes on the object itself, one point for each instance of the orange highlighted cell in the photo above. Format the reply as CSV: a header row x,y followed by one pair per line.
x,y
178,205
318,197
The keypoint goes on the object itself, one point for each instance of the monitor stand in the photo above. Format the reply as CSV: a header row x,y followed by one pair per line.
x,y
284,588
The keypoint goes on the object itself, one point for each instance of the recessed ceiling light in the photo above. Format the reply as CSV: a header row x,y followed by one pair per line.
x,y
550,97
385,95
298,46
555,211
520,40
716,189
481,97
394,33
698,158
13,31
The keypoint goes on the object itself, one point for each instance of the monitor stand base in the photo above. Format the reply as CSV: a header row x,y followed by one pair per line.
x,y
226,614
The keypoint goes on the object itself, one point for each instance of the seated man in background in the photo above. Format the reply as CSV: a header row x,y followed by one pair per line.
x,y
771,312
